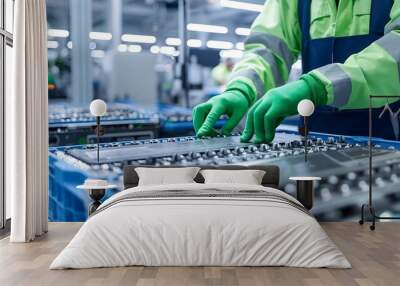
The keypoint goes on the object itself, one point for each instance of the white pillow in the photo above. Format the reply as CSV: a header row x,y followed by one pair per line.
x,y
166,176
248,177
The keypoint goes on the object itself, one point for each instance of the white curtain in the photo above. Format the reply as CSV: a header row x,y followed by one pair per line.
x,y
26,123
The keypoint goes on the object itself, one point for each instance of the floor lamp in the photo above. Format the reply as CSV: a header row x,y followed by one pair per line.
x,y
305,109
98,108
370,205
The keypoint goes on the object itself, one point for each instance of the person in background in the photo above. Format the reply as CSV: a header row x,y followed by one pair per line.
x,y
195,73
196,81
221,73
349,50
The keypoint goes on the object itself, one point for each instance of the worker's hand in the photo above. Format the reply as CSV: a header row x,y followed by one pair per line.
x,y
232,103
269,111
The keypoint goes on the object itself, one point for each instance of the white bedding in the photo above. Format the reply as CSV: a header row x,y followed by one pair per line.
x,y
188,231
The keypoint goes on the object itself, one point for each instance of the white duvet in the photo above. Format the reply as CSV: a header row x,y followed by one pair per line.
x,y
200,231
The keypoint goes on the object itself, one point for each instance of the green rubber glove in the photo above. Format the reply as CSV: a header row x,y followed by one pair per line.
x,y
269,111
232,103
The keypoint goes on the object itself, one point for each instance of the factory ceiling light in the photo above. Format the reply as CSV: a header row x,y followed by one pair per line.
x,y
207,28
134,48
170,51
242,5
242,31
194,43
154,49
100,36
69,45
236,54
122,48
52,44
57,33
138,38
220,45
173,41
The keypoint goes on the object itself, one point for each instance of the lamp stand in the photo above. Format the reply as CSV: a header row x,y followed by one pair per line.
x,y
98,138
96,195
305,138
370,206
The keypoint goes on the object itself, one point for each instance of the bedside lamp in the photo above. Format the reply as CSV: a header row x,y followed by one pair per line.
x,y
305,109
98,108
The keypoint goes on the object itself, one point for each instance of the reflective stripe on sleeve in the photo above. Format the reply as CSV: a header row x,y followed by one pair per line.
x,y
391,43
275,44
270,59
254,77
341,83
395,25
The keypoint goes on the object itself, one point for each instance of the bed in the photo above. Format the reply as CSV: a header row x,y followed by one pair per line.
x,y
198,224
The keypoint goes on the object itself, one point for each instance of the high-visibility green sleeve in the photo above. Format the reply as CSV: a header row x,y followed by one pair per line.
x,y
373,71
220,74
270,50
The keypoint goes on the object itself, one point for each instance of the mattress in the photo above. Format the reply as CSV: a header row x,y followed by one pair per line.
x,y
201,225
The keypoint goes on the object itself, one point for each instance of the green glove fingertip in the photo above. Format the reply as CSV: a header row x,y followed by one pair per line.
x,y
259,139
270,136
207,133
245,137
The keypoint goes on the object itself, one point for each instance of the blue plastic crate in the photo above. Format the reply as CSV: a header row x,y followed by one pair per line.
x,y
66,202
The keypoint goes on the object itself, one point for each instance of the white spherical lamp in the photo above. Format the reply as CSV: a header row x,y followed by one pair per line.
x,y
98,107
305,107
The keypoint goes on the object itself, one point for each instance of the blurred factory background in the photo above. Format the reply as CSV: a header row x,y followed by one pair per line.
x,y
131,50
152,61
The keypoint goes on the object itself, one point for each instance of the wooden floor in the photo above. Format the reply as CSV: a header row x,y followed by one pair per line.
x,y
375,257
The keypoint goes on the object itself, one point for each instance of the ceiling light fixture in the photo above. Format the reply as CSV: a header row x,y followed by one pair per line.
x,y
235,54
207,28
52,44
122,48
154,49
173,41
242,31
166,50
138,38
242,5
194,43
223,45
102,36
134,48
57,33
